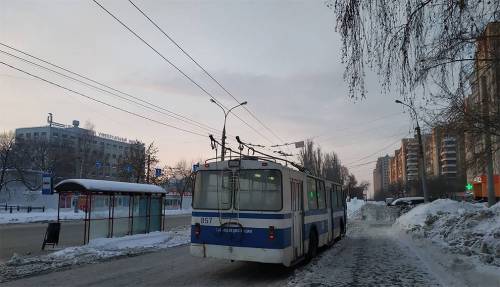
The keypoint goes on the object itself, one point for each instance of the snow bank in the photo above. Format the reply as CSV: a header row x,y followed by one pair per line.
x,y
51,215
48,215
97,250
353,207
461,227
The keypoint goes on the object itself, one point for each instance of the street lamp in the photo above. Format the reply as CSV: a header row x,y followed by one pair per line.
x,y
420,151
226,113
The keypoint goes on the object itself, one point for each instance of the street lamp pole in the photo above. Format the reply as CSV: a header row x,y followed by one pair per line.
x,y
420,151
226,113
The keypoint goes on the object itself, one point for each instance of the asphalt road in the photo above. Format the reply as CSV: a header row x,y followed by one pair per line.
x,y
27,238
171,267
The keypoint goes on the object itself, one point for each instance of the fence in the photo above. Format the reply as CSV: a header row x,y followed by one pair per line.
x,y
18,208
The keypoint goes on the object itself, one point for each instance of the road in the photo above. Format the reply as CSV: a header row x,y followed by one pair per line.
x,y
172,267
26,239
368,256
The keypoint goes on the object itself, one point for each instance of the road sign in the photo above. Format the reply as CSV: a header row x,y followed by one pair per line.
x,y
468,186
47,184
195,167
98,164
158,172
129,168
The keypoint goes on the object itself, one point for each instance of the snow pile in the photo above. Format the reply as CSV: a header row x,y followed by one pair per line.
x,y
353,207
461,227
51,215
48,215
178,211
97,250
379,212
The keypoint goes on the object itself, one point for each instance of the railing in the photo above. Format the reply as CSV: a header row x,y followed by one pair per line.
x,y
18,208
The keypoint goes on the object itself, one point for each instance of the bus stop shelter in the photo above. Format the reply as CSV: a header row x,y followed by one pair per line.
x,y
114,209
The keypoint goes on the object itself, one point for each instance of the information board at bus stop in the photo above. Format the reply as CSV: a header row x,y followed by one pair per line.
x,y
47,184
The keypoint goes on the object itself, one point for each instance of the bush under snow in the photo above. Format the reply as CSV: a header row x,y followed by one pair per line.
x,y
462,227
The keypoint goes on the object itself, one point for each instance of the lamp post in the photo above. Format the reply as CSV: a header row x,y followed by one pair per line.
x,y
226,113
420,151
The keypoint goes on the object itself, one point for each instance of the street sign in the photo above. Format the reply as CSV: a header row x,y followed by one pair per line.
x,y
129,168
98,164
158,172
195,167
47,186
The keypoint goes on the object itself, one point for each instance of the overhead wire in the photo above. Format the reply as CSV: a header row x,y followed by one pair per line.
x,y
108,92
376,152
102,102
174,114
203,69
205,91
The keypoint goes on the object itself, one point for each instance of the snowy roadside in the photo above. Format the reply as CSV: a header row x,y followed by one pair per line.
x,y
51,215
97,250
353,207
463,228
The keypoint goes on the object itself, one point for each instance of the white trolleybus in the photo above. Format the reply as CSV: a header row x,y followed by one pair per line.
x,y
251,209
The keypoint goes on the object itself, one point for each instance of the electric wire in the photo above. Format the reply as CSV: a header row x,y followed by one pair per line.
x,y
176,67
108,92
102,102
203,69
106,86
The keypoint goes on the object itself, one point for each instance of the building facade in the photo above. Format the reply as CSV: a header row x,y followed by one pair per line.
x,y
485,101
381,178
72,151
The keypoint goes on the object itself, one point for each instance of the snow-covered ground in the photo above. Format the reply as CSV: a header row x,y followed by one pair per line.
x,y
48,215
353,207
51,215
377,252
97,250
460,227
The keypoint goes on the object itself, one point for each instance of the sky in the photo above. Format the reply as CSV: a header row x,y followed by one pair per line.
x,y
283,57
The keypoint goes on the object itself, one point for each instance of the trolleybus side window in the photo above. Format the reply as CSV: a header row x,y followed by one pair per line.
x,y
259,190
213,190
321,194
312,201
334,196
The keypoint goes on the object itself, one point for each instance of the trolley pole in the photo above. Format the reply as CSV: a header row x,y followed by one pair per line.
x,y
226,113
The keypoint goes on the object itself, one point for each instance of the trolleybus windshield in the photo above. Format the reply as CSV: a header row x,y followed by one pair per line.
x,y
252,190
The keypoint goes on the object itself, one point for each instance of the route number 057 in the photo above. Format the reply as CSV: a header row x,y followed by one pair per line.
x,y
206,220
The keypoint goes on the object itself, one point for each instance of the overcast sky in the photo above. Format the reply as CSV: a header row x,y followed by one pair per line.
x,y
283,57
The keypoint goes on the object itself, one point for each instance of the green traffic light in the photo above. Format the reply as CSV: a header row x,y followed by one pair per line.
x,y
468,186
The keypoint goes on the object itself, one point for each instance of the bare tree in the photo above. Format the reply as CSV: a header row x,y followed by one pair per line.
x,y
182,176
410,43
7,140
132,165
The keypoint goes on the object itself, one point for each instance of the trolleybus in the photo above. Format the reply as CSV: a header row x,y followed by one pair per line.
x,y
250,209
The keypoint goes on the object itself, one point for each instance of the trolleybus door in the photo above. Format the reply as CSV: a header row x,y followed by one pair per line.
x,y
297,218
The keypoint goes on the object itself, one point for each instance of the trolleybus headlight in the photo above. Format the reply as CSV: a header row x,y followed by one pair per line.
x,y
197,230
272,236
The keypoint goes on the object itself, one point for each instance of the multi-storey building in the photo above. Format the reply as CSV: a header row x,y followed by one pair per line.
x,y
381,178
485,102
84,152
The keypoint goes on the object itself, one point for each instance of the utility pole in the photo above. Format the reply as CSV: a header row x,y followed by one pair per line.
x,y
226,113
423,176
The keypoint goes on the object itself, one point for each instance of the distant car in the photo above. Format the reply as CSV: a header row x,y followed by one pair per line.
x,y
389,200
407,201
